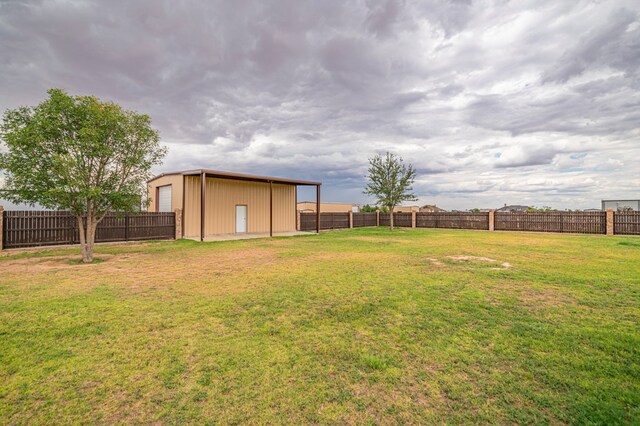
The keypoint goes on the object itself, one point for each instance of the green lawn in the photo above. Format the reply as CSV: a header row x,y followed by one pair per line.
x,y
361,326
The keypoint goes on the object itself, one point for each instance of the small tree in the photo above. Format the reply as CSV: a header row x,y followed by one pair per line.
x,y
390,181
80,154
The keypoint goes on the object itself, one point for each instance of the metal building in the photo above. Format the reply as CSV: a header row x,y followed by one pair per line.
x,y
234,203
618,205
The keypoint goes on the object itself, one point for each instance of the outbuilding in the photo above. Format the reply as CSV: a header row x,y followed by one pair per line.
x,y
234,203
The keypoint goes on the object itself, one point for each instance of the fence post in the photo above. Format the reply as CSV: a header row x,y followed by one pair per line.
x,y
126,226
413,219
377,217
178,222
298,225
609,221
1,225
350,219
492,220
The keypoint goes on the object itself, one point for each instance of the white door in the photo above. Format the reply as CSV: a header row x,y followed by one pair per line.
x,y
241,218
164,198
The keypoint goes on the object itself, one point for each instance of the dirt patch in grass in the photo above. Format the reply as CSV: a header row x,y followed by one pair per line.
x,y
544,298
38,264
476,259
435,261
503,265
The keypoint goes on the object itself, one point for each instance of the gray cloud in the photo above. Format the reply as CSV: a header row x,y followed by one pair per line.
x,y
522,102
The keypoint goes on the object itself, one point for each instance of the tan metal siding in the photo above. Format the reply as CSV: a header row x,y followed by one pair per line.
x,y
191,223
284,208
221,198
176,191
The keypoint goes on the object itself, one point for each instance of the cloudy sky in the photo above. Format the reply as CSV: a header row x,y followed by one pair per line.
x,y
521,102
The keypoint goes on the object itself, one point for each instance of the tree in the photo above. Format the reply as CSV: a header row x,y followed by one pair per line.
x,y
390,181
79,154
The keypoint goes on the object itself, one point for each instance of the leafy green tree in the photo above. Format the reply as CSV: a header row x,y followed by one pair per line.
x,y
368,209
79,154
390,181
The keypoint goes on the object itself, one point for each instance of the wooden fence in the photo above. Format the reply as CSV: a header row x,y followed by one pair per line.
x,y
327,221
453,220
402,220
572,222
626,223
45,228
364,219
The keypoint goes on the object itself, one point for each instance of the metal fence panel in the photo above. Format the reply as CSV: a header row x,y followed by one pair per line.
x,y
45,228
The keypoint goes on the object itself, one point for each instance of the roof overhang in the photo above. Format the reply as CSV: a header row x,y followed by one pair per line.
x,y
239,176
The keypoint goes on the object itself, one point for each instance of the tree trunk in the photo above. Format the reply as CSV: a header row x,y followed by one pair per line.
x,y
91,237
87,230
82,231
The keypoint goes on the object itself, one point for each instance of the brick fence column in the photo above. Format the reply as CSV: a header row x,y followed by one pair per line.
x,y
377,217
413,219
178,213
297,220
492,220
1,224
609,221
350,219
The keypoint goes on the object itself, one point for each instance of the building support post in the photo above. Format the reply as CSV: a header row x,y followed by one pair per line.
x,y
270,209
184,191
317,209
413,219
610,221
203,189
492,220
1,225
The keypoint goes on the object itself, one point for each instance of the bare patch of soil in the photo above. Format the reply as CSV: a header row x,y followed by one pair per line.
x,y
503,265
435,261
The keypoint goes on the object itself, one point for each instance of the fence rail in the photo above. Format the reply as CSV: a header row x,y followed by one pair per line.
x,y
571,222
45,228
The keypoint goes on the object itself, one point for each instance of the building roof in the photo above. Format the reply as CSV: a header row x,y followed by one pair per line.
x,y
238,176
512,207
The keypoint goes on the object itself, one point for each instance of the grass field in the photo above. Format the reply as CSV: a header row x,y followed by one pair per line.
x,y
360,326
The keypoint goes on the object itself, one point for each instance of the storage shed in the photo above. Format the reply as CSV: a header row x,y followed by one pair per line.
x,y
215,203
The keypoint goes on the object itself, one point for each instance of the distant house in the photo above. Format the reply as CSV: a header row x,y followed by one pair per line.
x,y
327,207
428,208
514,208
406,209
621,205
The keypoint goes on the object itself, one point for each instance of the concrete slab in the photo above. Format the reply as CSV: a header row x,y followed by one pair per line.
x,y
230,237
